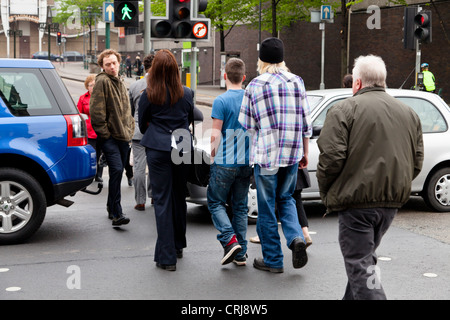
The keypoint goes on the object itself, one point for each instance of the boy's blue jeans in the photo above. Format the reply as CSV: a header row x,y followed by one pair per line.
x,y
276,187
233,181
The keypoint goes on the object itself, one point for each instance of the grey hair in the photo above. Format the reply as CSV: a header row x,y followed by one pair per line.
x,y
371,70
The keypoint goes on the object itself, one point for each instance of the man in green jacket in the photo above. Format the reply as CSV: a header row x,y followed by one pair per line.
x,y
371,148
112,121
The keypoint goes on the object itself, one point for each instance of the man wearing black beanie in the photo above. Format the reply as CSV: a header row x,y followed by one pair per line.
x,y
275,111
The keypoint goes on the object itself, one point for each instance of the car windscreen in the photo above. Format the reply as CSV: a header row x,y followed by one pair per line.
x,y
314,101
26,93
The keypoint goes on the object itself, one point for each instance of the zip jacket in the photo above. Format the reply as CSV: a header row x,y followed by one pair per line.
x,y
371,148
110,108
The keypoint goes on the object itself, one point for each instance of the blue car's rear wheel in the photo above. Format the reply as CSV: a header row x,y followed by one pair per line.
x,y
22,205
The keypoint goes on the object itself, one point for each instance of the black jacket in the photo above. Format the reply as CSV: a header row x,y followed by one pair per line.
x,y
159,122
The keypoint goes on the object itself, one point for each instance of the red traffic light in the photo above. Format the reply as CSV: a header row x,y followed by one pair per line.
x,y
423,22
422,19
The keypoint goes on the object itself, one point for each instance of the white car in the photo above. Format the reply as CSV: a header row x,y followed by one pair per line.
x,y
433,182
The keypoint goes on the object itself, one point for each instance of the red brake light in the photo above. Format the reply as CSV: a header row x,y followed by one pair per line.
x,y
76,131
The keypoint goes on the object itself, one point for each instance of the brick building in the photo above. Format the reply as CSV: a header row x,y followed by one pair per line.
x,y
303,46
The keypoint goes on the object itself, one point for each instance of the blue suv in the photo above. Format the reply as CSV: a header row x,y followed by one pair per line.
x,y
44,155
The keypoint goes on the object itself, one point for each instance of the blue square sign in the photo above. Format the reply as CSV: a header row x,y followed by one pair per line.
x,y
326,12
108,12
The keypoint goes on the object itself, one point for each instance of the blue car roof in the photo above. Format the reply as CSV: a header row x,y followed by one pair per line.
x,y
26,63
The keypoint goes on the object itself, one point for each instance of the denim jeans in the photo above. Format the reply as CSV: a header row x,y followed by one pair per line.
x,y
116,153
276,187
233,181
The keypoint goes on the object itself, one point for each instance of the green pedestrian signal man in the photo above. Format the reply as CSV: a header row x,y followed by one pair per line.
x,y
126,12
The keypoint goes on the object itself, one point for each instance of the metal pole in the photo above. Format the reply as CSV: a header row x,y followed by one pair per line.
x,y
108,35
322,84
348,38
14,42
49,46
418,54
147,27
193,68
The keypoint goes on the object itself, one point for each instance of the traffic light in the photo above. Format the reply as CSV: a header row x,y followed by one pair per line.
x,y
58,38
423,22
126,13
409,41
180,22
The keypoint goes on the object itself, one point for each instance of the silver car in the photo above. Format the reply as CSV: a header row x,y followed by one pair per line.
x,y
433,182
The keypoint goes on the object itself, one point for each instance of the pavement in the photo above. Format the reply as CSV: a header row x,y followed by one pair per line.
x,y
205,94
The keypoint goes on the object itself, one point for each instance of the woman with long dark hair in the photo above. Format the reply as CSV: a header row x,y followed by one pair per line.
x,y
164,116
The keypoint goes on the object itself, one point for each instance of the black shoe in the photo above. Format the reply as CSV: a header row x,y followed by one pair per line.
x,y
241,261
120,221
168,267
230,252
179,253
299,256
258,263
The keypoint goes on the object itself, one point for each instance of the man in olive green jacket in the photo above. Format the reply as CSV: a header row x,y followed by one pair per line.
x,y
112,121
371,148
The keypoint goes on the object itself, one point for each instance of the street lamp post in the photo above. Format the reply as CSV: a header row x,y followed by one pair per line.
x,y
14,33
92,13
50,26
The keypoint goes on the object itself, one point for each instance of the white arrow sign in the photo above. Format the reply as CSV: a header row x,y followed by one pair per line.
x,y
108,11
325,12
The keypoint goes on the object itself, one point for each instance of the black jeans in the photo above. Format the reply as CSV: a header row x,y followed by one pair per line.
x,y
360,233
116,153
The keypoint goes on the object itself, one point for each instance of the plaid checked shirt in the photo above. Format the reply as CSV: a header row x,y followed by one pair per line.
x,y
276,113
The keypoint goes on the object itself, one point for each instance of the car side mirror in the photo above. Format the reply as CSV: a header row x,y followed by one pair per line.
x,y
316,131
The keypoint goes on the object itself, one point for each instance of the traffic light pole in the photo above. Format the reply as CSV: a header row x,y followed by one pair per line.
x,y
194,49
322,57
147,27
193,67
418,54
107,35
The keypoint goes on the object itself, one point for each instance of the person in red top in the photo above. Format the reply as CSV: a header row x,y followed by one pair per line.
x,y
83,107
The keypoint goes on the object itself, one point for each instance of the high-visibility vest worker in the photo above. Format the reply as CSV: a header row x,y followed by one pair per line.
x,y
428,78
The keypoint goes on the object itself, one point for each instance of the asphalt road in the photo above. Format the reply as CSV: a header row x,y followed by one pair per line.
x,y
78,255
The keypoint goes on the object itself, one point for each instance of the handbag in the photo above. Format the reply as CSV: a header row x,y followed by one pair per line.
x,y
303,180
199,168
